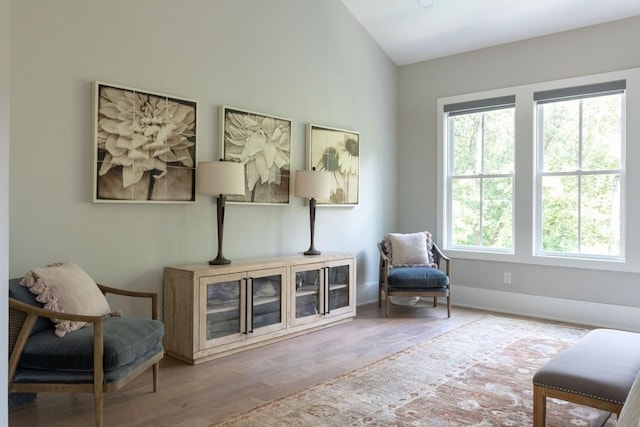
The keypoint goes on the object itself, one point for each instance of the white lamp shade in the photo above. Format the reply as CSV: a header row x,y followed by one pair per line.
x,y
313,184
217,178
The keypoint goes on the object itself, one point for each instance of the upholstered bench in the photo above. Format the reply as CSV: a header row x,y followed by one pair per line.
x,y
597,371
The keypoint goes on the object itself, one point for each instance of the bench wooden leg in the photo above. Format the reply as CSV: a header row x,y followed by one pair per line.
x,y
539,406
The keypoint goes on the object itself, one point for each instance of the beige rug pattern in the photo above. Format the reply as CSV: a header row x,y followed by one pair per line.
x,y
476,375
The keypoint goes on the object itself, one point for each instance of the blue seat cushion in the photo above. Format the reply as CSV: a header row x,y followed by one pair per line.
x,y
82,377
126,339
417,278
22,294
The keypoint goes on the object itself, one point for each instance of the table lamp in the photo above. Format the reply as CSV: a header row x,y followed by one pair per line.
x,y
220,179
312,184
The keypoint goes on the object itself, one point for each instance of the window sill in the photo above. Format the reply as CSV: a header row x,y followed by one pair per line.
x,y
555,261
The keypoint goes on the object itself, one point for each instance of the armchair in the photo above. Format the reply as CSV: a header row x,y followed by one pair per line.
x,y
99,358
413,265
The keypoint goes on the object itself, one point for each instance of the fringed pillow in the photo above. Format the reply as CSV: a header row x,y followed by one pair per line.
x,y
409,250
66,288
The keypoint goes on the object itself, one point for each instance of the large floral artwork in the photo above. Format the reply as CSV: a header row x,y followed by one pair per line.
x,y
262,144
145,145
336,151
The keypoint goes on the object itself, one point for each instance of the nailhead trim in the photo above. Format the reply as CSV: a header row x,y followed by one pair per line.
x,y
566,390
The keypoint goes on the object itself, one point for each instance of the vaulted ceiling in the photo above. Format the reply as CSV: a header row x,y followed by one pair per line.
x,y
411,33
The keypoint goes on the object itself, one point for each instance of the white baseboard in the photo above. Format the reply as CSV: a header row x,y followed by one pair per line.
x,y
566,310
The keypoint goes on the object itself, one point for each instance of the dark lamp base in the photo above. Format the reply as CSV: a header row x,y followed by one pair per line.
x,y
220,261
312,251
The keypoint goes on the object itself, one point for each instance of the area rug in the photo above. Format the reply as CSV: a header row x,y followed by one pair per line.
x,y
476,375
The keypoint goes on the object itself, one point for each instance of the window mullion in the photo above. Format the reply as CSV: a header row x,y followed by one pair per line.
x,y
481,173
579,213
580,168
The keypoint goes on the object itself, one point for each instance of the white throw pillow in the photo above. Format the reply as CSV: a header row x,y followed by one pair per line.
x,y
66,288
413,249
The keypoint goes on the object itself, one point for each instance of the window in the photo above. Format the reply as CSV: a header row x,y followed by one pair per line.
x,y
542,173
481,144
580,170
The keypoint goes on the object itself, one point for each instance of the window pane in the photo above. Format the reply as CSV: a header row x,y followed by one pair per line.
x,y
497,228
561,136
465,212
499,141
600,226
483,146
581,194
467,137
560,214
602,138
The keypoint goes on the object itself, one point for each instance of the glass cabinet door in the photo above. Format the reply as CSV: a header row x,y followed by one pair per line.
x,y
339,297
223,299
238,306
309,283
266,304
322,290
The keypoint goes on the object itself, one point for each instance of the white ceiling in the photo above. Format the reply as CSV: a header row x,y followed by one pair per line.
x,y
409,33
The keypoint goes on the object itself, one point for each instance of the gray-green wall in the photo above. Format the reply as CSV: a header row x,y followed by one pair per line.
x,y
307,60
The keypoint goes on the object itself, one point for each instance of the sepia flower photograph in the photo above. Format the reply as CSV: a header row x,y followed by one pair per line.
x,y
336,151
262,143
145,145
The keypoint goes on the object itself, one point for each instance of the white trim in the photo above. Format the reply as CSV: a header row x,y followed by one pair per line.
x,y
565,310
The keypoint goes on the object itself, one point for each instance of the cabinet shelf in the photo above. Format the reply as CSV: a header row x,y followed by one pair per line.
x,y
221,306
313,289
224,306
307,290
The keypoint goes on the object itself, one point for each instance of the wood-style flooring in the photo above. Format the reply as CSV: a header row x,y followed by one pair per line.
x,y
195,396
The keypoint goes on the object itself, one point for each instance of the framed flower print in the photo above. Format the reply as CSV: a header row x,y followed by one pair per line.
x,y
338,152
263,144
145,146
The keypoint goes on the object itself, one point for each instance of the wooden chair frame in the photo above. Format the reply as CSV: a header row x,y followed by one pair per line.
x,y
98,387
383,279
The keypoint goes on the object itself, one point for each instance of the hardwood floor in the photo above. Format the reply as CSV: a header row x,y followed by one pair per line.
x,y
194,396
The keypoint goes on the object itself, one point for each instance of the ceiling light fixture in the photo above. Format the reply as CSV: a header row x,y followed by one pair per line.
x,y
425,3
